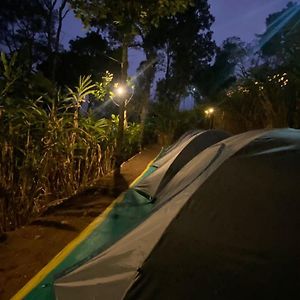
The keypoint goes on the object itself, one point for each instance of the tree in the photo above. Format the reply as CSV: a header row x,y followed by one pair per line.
x,y
185,40
179,46
280,50
22,29
32,28
88,55
223,72
267,93
279,44
143,84
120,20
61,14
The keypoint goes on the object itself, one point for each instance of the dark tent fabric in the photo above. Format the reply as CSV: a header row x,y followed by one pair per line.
x,y
177,157
131,209
173,149
231,233
238,236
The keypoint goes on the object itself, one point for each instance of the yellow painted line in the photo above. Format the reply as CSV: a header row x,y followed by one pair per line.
x,y
143,173
32,283
65,252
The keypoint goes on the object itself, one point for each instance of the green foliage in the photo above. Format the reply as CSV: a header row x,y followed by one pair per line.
x,y
132,137
32,28
186,41
17,85
125,14
10,73
179,122
166,122
165,119
79,94
48,149
88,55
279,41
262,91
103,88
267,95
258,103
223,73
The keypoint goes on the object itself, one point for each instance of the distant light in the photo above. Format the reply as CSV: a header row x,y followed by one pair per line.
x,y
209,111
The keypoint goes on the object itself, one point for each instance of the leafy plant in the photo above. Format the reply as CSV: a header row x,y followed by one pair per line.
x,y
48,149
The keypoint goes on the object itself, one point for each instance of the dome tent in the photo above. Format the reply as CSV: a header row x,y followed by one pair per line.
x,y
176,157
127,211
229,231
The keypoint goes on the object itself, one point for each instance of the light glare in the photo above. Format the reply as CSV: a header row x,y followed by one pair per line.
x,y
120,91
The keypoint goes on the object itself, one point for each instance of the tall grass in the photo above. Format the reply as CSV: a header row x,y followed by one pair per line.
x,y
49,151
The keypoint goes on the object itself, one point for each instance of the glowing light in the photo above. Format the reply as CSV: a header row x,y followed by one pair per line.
x,y
209,111
229,93
120,91
123,93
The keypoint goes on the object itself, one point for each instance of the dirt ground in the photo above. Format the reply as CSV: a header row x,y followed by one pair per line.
x,y
26,250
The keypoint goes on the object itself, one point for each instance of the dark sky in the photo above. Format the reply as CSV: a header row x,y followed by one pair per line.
x,y
243,18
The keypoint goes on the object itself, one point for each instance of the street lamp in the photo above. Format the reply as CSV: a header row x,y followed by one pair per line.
x,y
209,111
210,115
123,94
120,91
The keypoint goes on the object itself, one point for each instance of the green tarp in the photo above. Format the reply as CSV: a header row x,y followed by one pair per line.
x,y
125,216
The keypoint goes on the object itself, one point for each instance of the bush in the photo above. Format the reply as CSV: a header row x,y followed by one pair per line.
x,y
48,150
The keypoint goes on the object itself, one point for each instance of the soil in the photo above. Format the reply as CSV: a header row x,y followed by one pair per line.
x,y
26,250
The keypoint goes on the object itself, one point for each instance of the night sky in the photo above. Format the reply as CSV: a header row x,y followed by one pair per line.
x,y
243,18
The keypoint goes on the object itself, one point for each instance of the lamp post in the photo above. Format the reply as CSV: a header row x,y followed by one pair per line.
x,y
210,115
123,94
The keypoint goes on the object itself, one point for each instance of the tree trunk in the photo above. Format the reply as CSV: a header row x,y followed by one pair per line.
x,y
122,107
143,116
50,20
149,73
61,16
